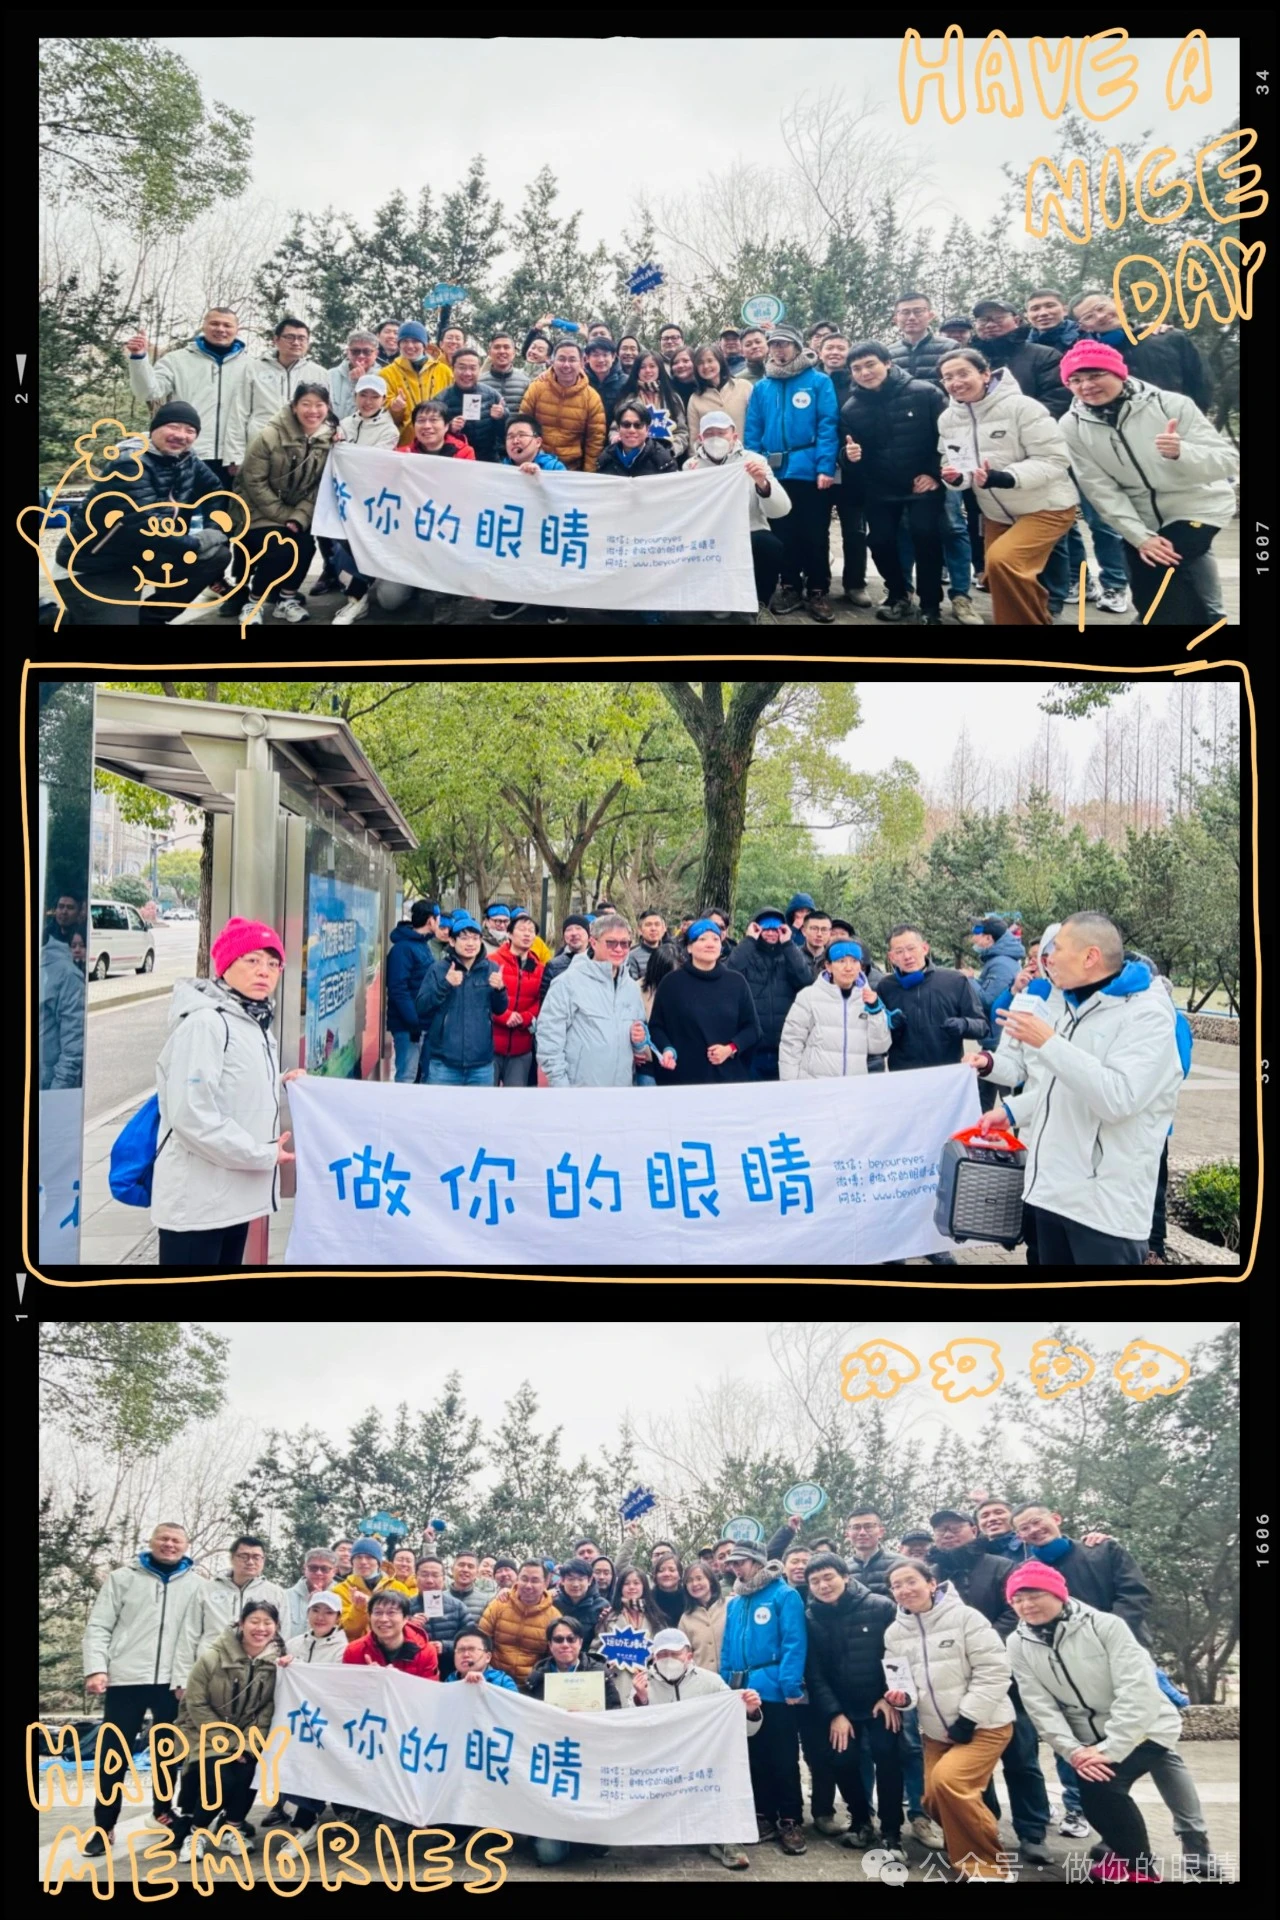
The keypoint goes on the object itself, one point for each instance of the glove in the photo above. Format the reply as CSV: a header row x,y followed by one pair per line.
x,y
394,1540
415,1036
999,479
962,1731
955,1025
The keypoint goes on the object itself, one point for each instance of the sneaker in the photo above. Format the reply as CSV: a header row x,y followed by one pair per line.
x,y
257,618
896,610
1073,1826
818,607
507,609
791,1837
730,1856
292,607
1035,1852
860,1837
327,583
765,1829
787,600
188,1852
278,1817
923,1830
980,583
1055,608
930,617
227,1832
353,611
829,1823
857,596
232,609
965,611
1113,602
763,616
97,1846
555,619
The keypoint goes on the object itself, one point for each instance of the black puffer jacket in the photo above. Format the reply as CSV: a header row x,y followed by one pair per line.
x,y
181,477
846,1646
921,360
1169,360
1034,368
897,430
917,1014
775,976
538,1678
978,1577
874,1573
486,436
653,457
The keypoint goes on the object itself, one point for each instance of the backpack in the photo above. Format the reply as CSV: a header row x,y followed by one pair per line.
x,y
134,1151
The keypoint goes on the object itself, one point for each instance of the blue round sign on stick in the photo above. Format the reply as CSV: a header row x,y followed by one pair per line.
x,y
804,1500
762,310
744,1528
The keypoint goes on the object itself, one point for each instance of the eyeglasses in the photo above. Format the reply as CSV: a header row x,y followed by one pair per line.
x,y
563,1640
266,960
631,425
615,946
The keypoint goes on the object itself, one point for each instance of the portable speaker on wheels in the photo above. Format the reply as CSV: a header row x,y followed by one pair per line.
x,y
980,1187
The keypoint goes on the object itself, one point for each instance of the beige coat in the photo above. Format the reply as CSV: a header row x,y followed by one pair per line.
x,y
705,1628
731,398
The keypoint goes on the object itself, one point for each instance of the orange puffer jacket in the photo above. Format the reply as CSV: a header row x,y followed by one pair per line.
x,y
570,420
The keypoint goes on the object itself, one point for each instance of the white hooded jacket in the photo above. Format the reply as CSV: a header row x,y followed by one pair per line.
x,y
267,386
1092,1685
1095,1113
133,1629
958,1662
218,1081
217,1605
828,1034
1134,488
1009,432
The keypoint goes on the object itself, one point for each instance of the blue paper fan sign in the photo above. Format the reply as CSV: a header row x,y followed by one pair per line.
x,y
379,1525
624,1648
743,1527
804,1500
443,296
762,310
645,278
638,1501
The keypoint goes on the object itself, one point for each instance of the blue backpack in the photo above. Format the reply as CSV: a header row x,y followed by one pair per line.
x,y
134,1151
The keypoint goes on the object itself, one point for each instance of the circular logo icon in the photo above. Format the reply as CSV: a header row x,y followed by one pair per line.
x,y
743,1527
762,310
804,1500
802,399
762,1616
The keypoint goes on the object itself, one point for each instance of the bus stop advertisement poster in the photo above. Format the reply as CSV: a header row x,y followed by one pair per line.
x,y
343,961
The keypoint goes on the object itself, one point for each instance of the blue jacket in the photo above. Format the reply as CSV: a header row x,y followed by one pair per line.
x,y
766,1638
494,1675
1039,988
549,464
1064,335
459,1020
1000,968
798,419
407,964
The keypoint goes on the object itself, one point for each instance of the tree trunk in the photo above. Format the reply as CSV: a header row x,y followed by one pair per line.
x,y
562,885
724,789
206,896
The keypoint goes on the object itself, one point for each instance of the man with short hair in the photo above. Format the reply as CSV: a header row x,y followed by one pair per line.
x,y
342,1555
670,341
764,1646
672,1676
568,411
776,971
1002,954
388,341
521,970
1094,1117
516,1622
270,383
484,430
473,1662
443,1628
604,373
407,963
1050,319
586,1550
792,422
130,1645
1170,359
393,1640
932,1010
591,1029
466,1571
207,374
319,1571
524,449
501,371
219,1603
575,938
833,357
817,936
851,1718
652,929
872,1563
919,352
360,358
731,347
755,352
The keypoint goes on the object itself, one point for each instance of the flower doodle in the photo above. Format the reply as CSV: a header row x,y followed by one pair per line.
x,y
1145,1369
966,1369
1055,1369
102,455
875,1370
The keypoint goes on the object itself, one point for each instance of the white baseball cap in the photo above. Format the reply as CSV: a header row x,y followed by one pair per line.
x,y
371,383
670,1640
329,1599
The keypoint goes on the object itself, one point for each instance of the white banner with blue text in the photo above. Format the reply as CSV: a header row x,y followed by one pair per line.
x,y
433,1753
767,1172
679,540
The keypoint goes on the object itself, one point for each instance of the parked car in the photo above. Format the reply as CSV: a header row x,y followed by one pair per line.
x,y
119,937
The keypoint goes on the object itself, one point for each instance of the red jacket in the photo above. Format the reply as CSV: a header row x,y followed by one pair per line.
x,y
523,980
453,445
422,1661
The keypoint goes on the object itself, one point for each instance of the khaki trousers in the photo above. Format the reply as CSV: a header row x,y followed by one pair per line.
x,y
955,1778
1014,557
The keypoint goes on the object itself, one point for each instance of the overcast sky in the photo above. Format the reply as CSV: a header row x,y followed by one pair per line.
x,y
285,1375
611,117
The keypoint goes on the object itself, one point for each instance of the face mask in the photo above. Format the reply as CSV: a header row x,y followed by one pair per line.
x,y
716,450
670,1669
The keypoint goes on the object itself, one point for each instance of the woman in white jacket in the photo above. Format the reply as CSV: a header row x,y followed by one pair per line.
x,y
1158,473
1093,1695
960,1672
1010,450
832,1026
218,1081
322,1645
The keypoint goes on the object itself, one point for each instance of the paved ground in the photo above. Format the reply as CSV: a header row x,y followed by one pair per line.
x,y
476,612
1214,1764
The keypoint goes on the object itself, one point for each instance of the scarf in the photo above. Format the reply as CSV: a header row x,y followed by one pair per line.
x,y
1050,1550
1110,411
910,979
801,364
259,1010
626,459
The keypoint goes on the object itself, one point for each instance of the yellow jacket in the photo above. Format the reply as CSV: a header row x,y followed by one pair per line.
x,y
416,384
541,949
355,1620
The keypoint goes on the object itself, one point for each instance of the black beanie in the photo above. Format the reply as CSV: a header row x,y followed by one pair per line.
x,y
178,413
575,920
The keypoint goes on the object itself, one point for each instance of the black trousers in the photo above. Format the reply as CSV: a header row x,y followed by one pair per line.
x,y
1194,594
774,1754
803,533
214,1247
853,534
1029,1216
767,557
1028,1798
1155,1239
1109,1806
821,1759
1066,1243
84,610
275,570
924,516
125,1708
237,1797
